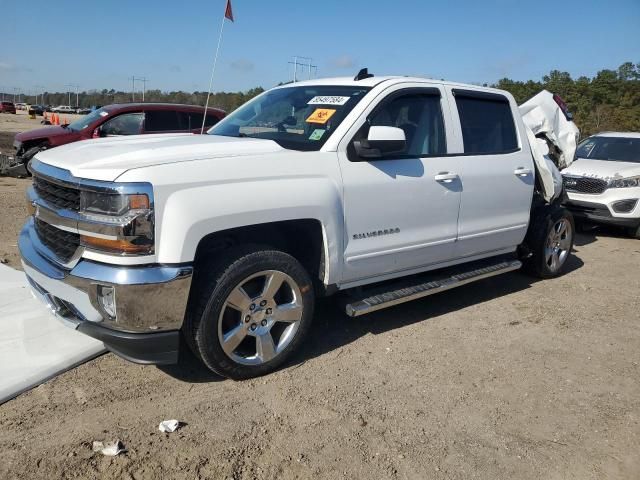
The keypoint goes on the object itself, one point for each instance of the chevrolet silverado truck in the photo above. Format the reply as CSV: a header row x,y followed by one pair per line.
x,y
385,189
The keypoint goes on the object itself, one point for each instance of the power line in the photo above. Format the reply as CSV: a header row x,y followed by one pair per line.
x,y
308,64
133,86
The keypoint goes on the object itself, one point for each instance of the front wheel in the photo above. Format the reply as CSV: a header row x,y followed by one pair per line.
x,y
550,241
252,312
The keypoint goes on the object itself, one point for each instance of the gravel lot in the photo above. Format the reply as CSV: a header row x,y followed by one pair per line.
x,y
508,378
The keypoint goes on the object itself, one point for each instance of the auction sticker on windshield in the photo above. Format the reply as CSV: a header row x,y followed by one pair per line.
x,y
321,115
328,100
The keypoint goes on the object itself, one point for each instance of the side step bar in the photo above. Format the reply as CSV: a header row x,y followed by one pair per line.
x,y
395,294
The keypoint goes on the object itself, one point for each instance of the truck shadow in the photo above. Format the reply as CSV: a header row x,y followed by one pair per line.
x,y
332,329
591,235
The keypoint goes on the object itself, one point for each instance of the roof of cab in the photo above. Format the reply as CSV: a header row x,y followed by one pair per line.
x,y
373,81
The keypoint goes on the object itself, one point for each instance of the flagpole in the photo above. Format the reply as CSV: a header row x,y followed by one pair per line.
x,y
215,60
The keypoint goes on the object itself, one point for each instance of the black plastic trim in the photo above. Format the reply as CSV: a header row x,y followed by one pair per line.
x,y
599,213
158,348
494,97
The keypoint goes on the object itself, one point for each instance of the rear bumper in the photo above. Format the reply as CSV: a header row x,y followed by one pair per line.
x,y
150,302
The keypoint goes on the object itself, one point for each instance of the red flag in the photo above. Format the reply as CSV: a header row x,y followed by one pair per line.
x,y
228,12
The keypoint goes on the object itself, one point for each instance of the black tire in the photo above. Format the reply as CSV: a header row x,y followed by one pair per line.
x,y
539,241
209,312
634,232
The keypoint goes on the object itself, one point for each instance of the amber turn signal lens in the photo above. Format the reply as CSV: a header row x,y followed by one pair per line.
x,y
138,202
117,246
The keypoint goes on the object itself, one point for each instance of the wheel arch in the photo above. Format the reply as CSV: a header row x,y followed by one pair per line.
x,y
304,239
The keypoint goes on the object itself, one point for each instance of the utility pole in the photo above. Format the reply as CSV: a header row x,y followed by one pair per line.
x,y
133,88
39,88
77,87
14,94
69,92
306,62
144,86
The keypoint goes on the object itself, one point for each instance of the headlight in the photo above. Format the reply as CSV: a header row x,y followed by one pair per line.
x,y
624,182
120,223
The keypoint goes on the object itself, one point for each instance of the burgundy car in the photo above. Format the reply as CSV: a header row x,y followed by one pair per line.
x,y
114,120
7,107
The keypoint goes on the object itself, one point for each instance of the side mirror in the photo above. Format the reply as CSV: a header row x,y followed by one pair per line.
x,y
381,141
98,133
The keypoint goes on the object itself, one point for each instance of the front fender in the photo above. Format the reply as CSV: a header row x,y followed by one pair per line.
x,y
190,214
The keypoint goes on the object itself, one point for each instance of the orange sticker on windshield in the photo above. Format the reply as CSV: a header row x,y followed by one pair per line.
x,y
321,115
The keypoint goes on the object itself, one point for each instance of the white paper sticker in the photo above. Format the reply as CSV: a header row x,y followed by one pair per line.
x,y
328,100
104,114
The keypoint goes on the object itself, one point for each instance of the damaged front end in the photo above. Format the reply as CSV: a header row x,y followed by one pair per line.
x,y
553,138
15,165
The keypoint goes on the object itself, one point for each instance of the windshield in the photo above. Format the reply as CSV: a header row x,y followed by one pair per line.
x,y
618,149
297,118
87,120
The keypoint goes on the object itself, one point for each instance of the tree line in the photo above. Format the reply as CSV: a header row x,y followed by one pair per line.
x,y
608,101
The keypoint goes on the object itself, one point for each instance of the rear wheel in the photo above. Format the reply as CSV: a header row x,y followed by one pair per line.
x,y
550,242
251,314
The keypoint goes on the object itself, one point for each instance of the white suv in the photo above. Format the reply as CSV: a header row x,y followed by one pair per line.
x,y
603,184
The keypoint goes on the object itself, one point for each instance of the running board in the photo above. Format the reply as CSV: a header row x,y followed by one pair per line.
x,y
395,294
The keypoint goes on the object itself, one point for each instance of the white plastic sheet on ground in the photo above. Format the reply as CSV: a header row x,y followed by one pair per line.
x,y
542,116
34,346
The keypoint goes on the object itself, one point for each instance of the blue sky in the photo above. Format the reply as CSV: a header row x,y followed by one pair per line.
x,y
98,44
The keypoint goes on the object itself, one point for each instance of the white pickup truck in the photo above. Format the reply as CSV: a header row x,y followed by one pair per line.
x,y
386,189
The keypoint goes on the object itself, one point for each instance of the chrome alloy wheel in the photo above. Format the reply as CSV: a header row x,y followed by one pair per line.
x,y
558,244
260,317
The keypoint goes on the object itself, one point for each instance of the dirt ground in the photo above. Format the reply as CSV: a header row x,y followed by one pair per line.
x,y
507,378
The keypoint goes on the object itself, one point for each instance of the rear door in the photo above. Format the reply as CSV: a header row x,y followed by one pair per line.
x,y
497,172
399,217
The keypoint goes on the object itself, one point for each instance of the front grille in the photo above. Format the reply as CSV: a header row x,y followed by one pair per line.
x,y
61,197
584,184
63,244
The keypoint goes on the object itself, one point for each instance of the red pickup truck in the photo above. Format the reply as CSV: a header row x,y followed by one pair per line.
x,y
113,120
7,107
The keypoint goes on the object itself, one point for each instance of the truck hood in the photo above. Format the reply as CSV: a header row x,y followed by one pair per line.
x,y
604,169
108,158
46,132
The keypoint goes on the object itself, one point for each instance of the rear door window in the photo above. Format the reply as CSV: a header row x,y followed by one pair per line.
x,y
487,123
162,121
193,120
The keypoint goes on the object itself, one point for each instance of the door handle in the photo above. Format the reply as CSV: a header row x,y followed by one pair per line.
x,y
446,177
522,172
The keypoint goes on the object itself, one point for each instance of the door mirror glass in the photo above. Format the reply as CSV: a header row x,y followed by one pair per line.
x,y
381,142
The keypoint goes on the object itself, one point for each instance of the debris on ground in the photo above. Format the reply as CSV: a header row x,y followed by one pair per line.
x,y
109,449
168,426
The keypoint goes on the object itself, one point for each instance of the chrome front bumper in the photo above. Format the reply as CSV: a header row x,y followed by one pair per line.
x,y
148,298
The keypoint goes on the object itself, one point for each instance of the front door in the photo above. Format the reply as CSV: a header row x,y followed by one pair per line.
x,y
401,212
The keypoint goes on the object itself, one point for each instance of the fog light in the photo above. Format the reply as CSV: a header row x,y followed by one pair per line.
x,y
107,300
624,206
